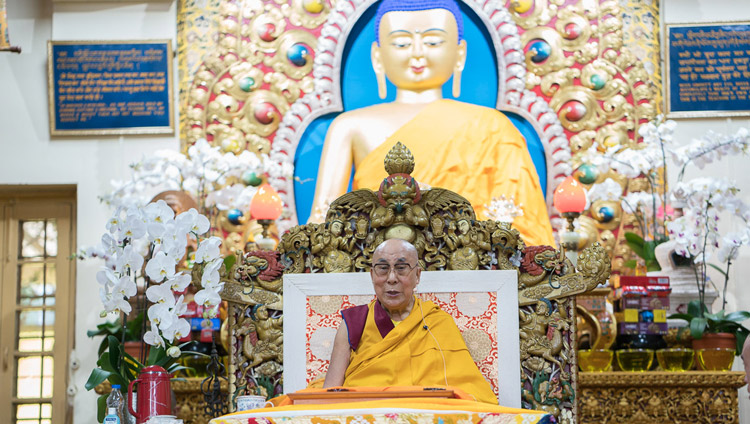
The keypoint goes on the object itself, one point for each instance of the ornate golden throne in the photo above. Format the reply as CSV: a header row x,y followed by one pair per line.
x,y
443,227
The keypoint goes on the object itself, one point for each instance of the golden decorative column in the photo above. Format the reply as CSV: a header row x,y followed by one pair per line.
x,y
659,397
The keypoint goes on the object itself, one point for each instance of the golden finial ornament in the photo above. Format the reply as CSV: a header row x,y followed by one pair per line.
x,y
399,160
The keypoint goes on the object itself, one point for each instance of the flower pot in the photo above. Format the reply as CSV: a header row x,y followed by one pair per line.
x,y
713,341
134,349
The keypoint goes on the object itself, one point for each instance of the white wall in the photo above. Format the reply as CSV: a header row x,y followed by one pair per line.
x,y
736,168
30,156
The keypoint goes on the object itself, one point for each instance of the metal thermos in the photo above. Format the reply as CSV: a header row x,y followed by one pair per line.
x,y
154,394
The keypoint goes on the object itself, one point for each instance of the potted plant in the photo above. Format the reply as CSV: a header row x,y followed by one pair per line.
x,y
694,227
144,250
145,247
697,236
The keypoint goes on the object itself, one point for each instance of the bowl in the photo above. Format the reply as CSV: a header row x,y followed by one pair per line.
x,y
595,360
675,359
716,359
635,360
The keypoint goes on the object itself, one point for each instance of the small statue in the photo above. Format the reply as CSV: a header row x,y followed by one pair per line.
x,y
334,246
541,334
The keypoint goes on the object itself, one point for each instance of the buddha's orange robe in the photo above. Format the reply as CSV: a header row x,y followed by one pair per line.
x,y
472,150
410,355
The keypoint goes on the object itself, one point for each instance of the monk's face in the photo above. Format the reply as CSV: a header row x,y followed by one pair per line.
x,y
418,50
395,290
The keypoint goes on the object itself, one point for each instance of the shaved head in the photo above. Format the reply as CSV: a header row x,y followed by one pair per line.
x,y
407,249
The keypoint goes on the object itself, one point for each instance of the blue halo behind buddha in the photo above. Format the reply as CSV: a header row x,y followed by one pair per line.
x,y
359,89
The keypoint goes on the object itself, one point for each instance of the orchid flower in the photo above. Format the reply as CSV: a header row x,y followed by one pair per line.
x,y
107,278
161,293
125,287
153,338
133,227
129,260
195,222
158,212
208,250
208,298
161,266
160,314
179,282
177,330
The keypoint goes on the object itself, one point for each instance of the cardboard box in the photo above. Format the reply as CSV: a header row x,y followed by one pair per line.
x,y
630,280
645,303
642,328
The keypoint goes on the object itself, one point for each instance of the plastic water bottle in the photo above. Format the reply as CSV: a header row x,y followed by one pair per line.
x,y
115,403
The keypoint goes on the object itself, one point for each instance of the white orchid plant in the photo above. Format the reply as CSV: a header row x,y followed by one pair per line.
x,y
216,179
147,249
704,200
647,159
154,236
699,205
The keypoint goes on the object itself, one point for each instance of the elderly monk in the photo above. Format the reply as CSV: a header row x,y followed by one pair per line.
x,y
472,150
400,340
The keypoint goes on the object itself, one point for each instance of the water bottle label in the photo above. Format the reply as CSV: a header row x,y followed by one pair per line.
x,y
111,419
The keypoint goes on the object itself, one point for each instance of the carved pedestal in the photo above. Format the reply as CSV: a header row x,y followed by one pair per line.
x,y
659,397
190,400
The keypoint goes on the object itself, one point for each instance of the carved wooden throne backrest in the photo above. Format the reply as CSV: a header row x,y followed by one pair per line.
x,y
442,226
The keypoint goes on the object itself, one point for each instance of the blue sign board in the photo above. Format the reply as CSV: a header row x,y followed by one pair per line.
x,y
113,87
708,70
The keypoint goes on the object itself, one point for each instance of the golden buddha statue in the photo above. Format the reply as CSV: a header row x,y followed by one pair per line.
x,y
472,150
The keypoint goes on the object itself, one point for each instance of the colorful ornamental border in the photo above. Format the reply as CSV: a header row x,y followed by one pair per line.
x,y
512,96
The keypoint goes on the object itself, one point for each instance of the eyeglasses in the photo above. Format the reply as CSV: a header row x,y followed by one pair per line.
x,y
402,269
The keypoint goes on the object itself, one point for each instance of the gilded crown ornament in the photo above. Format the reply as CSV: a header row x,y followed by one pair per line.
x,y
399,160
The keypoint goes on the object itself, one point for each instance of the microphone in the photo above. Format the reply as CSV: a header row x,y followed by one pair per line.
x,y
426,327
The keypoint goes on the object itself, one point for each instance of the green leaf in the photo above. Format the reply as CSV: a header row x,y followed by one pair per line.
x,y
718,269
105,363
632,263
229,261
686,317
155,354
652,265
648,250
712,317
131,367
738,316
114,351
177,367
695,307
698,327
637,249
97,376
634,238
101,407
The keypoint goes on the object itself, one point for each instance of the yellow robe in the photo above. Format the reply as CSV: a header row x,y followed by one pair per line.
x,y
474,151
410,355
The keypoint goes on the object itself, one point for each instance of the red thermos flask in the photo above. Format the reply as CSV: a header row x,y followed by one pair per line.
x,y
154,394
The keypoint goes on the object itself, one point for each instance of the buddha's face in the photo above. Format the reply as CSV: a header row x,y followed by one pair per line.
x,y
418,50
